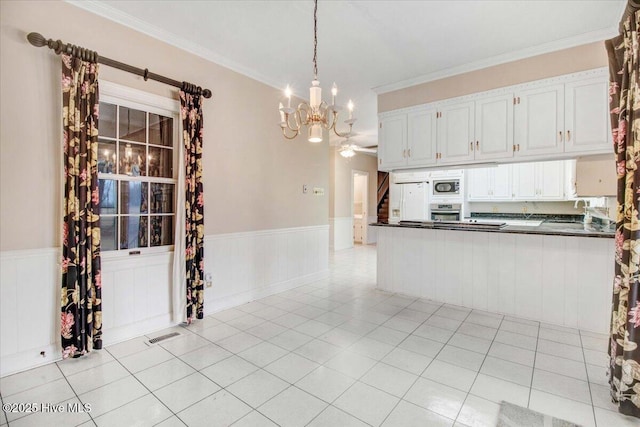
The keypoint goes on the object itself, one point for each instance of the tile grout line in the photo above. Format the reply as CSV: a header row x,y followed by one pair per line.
x,y
593,406
480,368
533,369
140,382
74,392
429,364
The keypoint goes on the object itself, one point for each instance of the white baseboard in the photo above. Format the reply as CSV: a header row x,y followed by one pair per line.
x,y
248,296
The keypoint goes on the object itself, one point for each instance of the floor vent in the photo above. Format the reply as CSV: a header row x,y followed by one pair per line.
x,y
163,337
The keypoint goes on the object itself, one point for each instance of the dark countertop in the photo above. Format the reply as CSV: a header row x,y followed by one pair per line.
x,y
548,228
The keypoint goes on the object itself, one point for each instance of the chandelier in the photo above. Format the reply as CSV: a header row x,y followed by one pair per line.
x,y
316,114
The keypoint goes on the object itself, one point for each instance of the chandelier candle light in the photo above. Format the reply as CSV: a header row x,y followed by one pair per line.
x,y
316,114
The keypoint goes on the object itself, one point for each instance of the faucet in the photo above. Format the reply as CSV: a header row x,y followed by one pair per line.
x,y
586,204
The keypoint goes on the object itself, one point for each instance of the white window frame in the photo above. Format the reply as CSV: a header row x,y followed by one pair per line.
x,y
113,93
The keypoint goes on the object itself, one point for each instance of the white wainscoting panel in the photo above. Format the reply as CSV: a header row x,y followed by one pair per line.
x,y
136,290
248,266
563,280
341,233
136,295
29,308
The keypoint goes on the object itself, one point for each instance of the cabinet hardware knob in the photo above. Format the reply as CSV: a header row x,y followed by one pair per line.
x,y
409,152
471,143
477,145
518,100
568,135
518,145
560,136
404,153
514,147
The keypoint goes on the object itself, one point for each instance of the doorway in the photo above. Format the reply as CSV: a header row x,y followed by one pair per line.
x,y
359,205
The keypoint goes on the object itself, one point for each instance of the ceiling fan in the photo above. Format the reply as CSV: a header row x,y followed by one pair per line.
x,y
347,149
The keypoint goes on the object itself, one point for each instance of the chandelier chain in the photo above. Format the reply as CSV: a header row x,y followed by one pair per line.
x,y
315,40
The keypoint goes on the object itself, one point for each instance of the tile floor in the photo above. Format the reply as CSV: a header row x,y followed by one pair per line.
x,y
333,353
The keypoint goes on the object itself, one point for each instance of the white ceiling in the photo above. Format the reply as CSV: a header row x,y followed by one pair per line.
x,y
365,46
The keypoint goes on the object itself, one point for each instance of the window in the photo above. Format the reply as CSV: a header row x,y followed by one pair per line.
x,y
136,175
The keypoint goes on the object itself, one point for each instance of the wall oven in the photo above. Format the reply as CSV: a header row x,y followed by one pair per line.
x,y
445,212
446,187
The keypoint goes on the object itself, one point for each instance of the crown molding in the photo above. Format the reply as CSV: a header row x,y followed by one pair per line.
x,y
99,8
590,37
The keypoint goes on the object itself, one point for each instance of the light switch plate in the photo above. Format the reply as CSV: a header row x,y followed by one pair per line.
x,y
305,188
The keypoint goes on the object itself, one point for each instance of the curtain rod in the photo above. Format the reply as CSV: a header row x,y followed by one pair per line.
x,y
59,47
631,7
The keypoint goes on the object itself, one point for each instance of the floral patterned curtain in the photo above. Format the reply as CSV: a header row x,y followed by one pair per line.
x,y
624,90
194,203
81,317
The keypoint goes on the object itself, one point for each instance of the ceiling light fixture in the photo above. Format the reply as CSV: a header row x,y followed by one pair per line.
x,y
316,114
346,150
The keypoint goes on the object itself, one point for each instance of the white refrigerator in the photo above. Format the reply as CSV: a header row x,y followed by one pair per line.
x,y
414,201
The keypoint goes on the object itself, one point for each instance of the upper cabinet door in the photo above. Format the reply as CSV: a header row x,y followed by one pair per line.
x,y
392,142
478,184
587,116
456,133
550,180
501,182
421,146
494,127
524,181
539,121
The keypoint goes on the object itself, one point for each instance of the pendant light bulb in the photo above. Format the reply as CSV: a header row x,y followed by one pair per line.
x,y
315,133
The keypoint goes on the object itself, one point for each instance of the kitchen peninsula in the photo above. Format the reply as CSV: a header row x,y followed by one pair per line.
x,y
556,273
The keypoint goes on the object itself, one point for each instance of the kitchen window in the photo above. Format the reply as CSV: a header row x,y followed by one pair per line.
x,y
136,176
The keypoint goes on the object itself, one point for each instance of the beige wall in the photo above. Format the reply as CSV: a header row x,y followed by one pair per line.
x,y
579,58
253,177
341,183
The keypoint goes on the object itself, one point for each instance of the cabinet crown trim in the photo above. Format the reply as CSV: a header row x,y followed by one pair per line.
x,y
564,78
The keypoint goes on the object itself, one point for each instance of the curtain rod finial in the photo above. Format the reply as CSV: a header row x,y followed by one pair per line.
x,y
36,39
206,93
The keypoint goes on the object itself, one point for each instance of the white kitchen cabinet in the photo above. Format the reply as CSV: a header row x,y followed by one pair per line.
x,y
539,181
539,121
502,182
490,183
456,133
494,127
478,184
421,144
587,125
392,142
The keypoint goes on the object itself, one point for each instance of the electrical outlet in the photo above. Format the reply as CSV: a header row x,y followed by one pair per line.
x,y
208,280
305,188
494,209
318,191
524,209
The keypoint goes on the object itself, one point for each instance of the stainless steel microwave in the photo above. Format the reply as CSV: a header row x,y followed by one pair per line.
x,y
446,187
